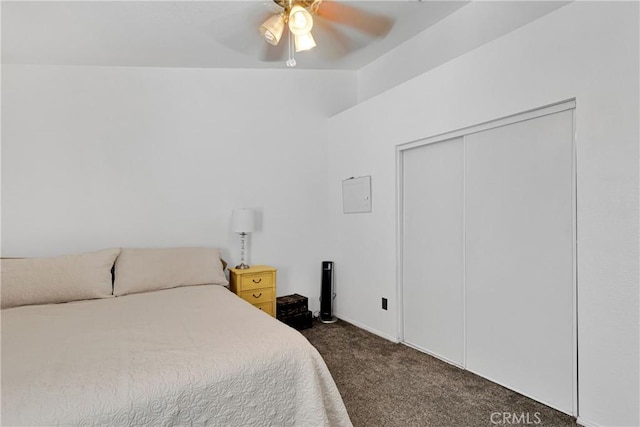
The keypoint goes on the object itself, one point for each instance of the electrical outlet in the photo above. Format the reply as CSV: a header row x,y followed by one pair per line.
x,y
384,303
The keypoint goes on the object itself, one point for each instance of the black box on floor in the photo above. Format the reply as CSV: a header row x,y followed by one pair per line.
x,y
291,305
299,321
294,311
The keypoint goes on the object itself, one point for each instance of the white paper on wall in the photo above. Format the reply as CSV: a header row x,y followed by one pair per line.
x,y
356,194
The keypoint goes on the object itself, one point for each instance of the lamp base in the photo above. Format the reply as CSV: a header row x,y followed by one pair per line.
x,y
333,319
242,266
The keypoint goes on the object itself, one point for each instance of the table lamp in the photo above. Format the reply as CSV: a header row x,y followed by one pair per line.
x,y
242,222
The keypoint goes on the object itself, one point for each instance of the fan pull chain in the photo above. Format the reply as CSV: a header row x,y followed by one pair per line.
x,y
291,62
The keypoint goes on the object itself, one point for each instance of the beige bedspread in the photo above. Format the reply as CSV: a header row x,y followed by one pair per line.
x,y
195,355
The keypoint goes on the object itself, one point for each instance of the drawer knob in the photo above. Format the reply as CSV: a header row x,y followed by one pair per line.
x,y
257,296
257,281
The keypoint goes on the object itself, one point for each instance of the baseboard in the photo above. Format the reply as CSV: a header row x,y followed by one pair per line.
x,y
367,328
586,423
437,356
524,393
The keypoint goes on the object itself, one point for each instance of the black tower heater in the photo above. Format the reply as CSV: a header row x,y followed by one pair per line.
x,y
327,294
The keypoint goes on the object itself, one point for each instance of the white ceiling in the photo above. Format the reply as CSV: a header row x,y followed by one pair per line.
x,y
184,33
224,34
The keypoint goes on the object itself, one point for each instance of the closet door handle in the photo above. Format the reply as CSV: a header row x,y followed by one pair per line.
x,y
257,281
257,296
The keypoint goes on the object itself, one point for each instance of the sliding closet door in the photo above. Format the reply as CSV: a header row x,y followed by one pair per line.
x,y
432,247
519,257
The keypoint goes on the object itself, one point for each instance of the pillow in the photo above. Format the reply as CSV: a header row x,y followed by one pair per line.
x,y
56,279
142,270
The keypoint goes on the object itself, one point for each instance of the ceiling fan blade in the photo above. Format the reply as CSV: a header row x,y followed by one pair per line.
x,y
366,22
332,42
272,7
243,38
276,53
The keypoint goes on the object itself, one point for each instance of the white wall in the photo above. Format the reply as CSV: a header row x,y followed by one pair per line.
x,y
96,157
464,30
586,50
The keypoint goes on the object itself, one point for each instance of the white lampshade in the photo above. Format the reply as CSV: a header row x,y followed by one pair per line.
x,y
304,42
242,220
300,20
272,29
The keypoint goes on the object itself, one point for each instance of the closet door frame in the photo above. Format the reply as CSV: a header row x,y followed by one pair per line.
x,y
504,121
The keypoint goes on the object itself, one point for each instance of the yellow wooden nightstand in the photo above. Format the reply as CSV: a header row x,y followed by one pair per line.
x,y
257,285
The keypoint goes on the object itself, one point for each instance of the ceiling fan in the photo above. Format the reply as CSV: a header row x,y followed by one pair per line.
x,y
295,19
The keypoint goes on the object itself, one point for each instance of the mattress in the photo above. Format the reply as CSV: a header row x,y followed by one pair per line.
x,y
195,355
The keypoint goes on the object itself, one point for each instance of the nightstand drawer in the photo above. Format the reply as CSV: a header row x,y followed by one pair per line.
x,y
267,307
258,296
257,285
257,280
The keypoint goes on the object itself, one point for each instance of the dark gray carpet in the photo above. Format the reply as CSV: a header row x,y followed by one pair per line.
x,y
387,384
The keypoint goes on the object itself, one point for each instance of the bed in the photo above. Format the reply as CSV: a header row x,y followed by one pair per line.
x,y
190,355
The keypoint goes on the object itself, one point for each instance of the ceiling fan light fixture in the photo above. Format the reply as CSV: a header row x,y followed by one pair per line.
x,y
304,42
300,20
271,30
